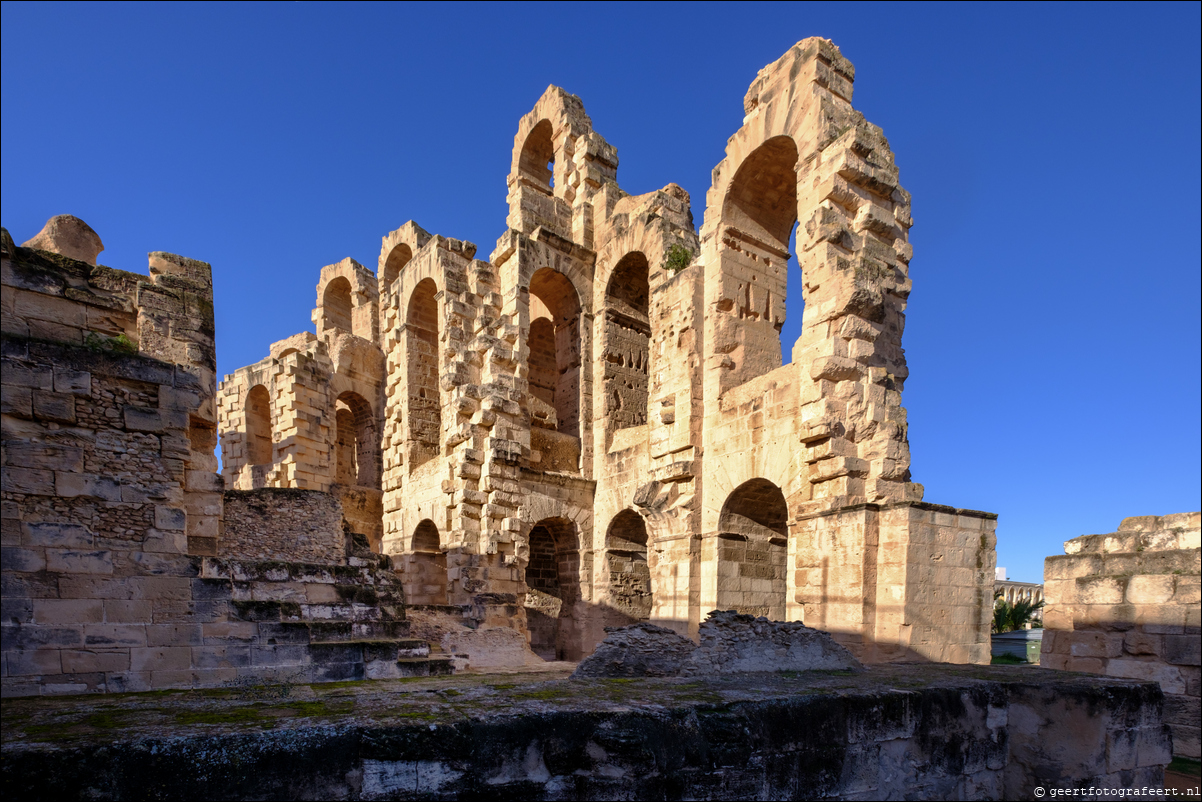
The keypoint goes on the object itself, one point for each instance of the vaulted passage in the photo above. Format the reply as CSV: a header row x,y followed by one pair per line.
x,y
553,587
629,573
752,550
627,341
427,580
258,426
425,409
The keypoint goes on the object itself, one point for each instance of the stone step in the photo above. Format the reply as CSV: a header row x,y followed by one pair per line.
x,y
344,631
425,666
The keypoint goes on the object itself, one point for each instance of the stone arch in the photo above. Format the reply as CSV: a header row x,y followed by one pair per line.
x,y
397,250
629,571
257,411
761,200
356,442
428,566
752,546
626,341
395,262
425,405
554,298
552,579
336,305
538,155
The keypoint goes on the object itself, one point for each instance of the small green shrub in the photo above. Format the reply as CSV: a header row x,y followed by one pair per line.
x,y
121,343
677,258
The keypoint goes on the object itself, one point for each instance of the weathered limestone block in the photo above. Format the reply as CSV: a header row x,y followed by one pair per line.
x,y
70,236
1126,604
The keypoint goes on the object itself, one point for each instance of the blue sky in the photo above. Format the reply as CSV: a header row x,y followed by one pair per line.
x,y
1052,152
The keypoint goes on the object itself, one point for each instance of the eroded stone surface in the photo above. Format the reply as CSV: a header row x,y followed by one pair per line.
x,y
891,732
1127,604
68,235
731,643
639,650
736,643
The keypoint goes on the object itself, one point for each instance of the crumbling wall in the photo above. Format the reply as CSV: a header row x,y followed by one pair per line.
x,y
283,524
112,510
109,490
1127,604
611,374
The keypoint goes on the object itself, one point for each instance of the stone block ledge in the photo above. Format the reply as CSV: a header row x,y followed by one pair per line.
x,y
902,731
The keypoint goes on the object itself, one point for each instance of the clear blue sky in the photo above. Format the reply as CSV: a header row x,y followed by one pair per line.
x,y
1052,152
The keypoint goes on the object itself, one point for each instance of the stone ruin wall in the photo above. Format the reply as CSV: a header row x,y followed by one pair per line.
x,y
285,525
117,570
1127,604
570,434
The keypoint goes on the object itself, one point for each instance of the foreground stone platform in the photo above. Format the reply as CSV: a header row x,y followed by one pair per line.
x,y
900,731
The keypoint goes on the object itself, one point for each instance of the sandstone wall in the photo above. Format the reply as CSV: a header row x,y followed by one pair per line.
x,y
111,505
1127,604
283,524
594,425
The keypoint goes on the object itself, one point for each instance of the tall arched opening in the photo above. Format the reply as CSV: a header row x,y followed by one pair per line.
x,y
629,572
555,329
258,426
425,406
336,305
758,214
535,164
752,544
398,257
627,341
552,589
356,448
428,567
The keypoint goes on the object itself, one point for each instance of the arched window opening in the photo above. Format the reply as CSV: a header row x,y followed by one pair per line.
x,y
396,261
752,550
537,161
629,572
759,214
627,341
356,442
258,426
552,588
762,200
336,305
554,300
428,575
425,406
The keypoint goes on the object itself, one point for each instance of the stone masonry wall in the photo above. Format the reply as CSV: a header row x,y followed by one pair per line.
x,y
112,511
1127,604
283,524
610,370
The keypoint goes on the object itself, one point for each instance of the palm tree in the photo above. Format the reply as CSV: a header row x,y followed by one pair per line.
x,y
1008,617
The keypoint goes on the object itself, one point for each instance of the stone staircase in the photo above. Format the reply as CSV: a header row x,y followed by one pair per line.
x,y
323,623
